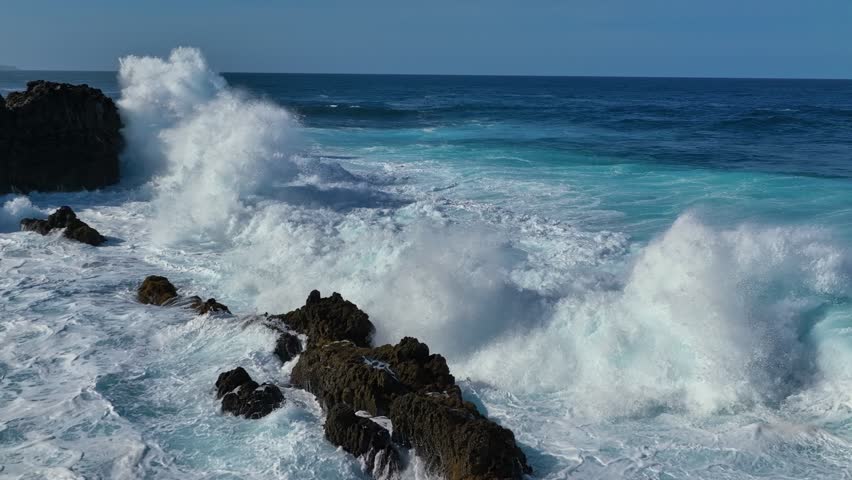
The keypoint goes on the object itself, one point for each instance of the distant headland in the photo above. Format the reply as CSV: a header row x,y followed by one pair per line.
x,y
4,68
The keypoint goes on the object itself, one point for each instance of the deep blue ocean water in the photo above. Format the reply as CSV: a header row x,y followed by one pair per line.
x,y
642,277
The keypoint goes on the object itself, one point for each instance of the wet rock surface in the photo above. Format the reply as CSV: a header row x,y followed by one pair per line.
x,y
58,137
207,306
456,440
65,218
404,382
329,319
157,290
364,439
287,347
244,397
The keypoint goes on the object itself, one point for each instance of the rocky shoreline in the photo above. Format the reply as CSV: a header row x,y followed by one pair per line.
x,y
382,404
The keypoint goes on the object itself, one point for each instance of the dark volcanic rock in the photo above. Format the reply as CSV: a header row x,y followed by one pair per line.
x,y
371,378
405,382
287,347
329,319
459,443
230,380
80,231
363,438
156,290
57,136
209,306
75,229
35,225
242,396
415,367
340,372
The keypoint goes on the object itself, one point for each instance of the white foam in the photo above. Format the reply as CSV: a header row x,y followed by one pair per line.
x,y
16,208
707,319
606,359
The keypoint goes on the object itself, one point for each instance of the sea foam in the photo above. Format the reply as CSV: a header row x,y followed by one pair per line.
x,y
712,350
699,320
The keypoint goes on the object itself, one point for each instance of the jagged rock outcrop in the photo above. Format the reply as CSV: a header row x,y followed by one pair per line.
x,y
243,396
287,347
58,137
456,440
340,372
64,218
404,382
364,439
157,290
372,378
329,319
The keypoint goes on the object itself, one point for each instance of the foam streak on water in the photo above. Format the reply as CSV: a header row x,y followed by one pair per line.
x,y
621,319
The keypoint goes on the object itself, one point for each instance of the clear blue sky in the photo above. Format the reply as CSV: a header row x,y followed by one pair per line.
x,y
752,38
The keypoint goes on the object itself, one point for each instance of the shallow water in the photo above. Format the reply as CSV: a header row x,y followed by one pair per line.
x,y
642,278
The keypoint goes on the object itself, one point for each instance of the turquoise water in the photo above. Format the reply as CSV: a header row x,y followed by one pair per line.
x,y
643,278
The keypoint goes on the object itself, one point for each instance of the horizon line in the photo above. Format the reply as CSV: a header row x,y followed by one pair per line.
x,y
519,75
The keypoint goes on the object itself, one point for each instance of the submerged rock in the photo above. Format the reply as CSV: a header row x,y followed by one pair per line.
x,y
287,347
156,290
242,396
404,382
208,306
364,439
64,217
58,137
329,319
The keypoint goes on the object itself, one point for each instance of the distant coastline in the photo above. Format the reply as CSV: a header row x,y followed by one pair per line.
x,y
7,68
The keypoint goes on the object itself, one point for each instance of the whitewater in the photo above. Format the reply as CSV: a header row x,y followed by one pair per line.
x,y
626,313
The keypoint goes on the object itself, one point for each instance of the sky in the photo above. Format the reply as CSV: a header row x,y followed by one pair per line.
x,y
694,38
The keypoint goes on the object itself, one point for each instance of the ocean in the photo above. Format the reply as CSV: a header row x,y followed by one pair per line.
x,y
643,278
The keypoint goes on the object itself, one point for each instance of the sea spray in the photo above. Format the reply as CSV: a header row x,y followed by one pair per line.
x,y
228,176
207,148
14,209
539,240
706,320
700,320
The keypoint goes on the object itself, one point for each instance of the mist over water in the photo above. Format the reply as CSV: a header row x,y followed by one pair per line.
x,y
625,319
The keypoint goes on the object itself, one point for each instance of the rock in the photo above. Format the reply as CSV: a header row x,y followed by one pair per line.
x,y
458,443
329,319
34,225
405,382
82,232
371,378
209,306
230,380
242,396
287,347
156,290
58,137
415,367
341,372
64,217
364,439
